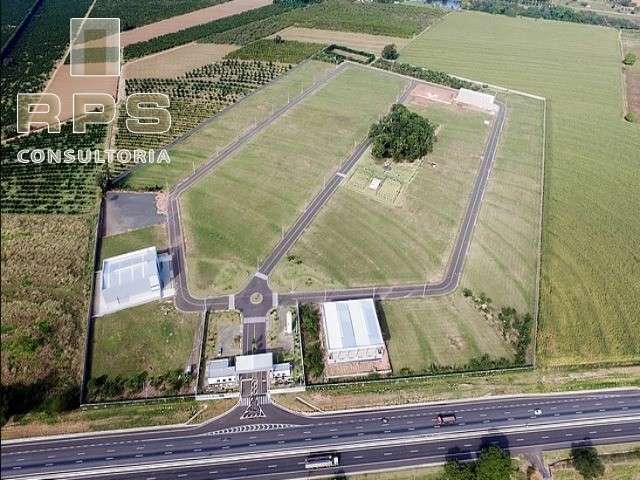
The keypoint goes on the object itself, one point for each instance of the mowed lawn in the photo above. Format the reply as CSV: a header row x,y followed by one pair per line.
x,y
503,256
447,331
154,337
235,216
590,293
356,241
230,123
152,236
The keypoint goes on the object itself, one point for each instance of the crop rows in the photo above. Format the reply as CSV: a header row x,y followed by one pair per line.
x,y
50,187
199,31
32,59
195,96
134,13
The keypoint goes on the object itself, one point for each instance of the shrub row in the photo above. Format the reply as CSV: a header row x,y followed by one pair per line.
x,y
106,387
425,74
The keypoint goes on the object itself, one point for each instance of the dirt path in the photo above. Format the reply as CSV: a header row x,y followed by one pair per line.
x,y
180,22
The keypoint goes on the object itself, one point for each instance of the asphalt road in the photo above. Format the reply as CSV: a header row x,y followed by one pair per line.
x,y
184,301
274,446
259,283
303,221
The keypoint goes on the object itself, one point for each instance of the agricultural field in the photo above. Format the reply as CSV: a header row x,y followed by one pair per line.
x,y
358,41
590,220
178,61
30,63
406,234
113,245
170,40
339,15
64,85
133,13
45,280
223,129
288,51
51,187
195,96
272,177
429,336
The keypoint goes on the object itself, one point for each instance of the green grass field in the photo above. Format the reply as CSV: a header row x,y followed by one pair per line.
x,y
155,235
154,337
357,241
194,151
590,295
444,331
235,216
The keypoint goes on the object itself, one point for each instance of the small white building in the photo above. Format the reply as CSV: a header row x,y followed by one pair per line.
x,y
352,331
220,373
129,279
480,100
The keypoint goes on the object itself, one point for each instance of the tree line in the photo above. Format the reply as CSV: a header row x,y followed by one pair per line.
x,y
549,11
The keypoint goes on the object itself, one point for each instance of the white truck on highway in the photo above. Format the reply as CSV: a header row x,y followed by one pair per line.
x,y
321,461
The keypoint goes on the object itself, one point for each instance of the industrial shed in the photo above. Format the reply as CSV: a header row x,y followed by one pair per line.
x,y
352,331
129,279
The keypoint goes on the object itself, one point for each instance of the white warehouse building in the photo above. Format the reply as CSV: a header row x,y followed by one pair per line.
x,y
129,279
352,331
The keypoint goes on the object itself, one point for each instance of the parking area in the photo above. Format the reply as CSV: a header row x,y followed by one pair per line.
x,y
125,211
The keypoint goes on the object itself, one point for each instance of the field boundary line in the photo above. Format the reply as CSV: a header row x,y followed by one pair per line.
x,y
536,306
623,78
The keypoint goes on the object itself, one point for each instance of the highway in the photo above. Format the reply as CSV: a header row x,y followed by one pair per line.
x,y
275,446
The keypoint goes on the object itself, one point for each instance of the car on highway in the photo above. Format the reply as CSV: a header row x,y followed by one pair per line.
x,y
537,412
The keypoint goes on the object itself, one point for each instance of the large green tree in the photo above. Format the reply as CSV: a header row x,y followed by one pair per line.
x,y
587,462
402,135
493,464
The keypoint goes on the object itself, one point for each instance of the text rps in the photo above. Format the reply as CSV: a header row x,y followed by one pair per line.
x,y
147,112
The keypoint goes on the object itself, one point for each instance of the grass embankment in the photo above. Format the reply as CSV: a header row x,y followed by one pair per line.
x,y
154,338
113,417
620,462
224,129
45,280
234,217
590,298
285,51
355,241
456,387
155,235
